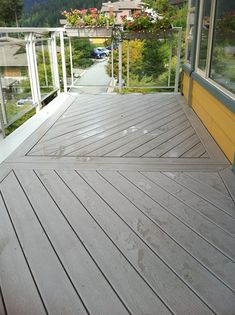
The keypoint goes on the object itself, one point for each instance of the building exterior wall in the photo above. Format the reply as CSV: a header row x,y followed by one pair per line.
x,y
11,72
217,118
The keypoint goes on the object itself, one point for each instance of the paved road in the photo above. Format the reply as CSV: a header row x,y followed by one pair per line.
x,y
95,75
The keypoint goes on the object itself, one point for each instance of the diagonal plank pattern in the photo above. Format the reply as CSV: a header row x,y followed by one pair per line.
x,y
122,126
115,243
118,204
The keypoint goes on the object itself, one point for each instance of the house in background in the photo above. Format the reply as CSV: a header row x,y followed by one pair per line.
x,y
13,59
121,8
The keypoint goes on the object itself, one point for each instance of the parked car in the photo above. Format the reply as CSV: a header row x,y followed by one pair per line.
x,y
100,52
24,101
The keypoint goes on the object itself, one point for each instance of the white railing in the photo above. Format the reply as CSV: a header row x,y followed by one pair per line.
x,y
29,69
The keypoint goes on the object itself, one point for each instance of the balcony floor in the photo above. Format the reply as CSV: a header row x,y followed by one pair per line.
x,y
118,204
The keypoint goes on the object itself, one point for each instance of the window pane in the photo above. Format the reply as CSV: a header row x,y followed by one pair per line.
x,y
223,53
203,42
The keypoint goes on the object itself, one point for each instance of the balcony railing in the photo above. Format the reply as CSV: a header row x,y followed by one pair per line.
x,y
31,73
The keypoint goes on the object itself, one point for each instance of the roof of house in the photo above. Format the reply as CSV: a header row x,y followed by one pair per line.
x,y
121,5
12,52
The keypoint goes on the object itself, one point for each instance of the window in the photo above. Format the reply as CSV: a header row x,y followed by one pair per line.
x,y
222,69
204,34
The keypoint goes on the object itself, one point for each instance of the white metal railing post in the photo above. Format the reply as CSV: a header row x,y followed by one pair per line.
x,y
3,106
33,70
120,61
177,70
128,64
112,60
44,64
55,62
63,60
170,61
71,60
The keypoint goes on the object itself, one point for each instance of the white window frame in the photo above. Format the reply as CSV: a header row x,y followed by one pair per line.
x,y
206,74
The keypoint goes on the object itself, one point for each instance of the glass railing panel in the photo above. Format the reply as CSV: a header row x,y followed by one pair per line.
x,y
16,90
45,66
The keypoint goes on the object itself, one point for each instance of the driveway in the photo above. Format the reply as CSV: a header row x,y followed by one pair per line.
x,y
95,80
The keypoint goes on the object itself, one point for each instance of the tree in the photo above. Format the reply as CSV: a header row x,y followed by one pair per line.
x,y
10,12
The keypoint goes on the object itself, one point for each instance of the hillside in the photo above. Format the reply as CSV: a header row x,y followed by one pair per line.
x,y
39,13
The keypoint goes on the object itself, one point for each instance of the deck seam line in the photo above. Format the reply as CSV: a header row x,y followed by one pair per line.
x,y
154,253
179,132
180,156
52,246
117,126
197,194
151,140
212,188
122,254
122,131
165,232
47,124
191,207
118,110
176,144
131,108
87,120
227,188
77,236
192,229
137,136
23,253
98,110
3,301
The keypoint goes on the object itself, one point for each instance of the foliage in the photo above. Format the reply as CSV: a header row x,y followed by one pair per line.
x,y
48,13
87,17
227,23
19,122
176,15
146,19
10,12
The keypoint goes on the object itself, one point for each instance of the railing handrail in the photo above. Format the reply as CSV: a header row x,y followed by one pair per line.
x,y
30,29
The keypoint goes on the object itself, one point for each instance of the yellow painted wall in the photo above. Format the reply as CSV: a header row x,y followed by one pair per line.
x,y
185,85
98,40
216,117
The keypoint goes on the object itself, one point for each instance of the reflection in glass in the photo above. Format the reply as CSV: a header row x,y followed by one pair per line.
x,y
203,41
190,30
14,77
223,53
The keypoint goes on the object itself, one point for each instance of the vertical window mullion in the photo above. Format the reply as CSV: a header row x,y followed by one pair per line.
x,y
201,3
210,38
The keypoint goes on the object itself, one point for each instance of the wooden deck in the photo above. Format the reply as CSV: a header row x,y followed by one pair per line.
x,y
118,204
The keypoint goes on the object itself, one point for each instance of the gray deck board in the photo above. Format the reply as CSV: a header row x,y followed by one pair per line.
x,y
55,287
195,245
198,223
165,283
17,284
71,250
138,296
118,204
196,151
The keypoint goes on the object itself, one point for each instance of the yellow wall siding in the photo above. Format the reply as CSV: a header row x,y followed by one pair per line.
x,y
186,81
216,117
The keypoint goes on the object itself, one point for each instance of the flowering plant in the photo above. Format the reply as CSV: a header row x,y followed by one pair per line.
x,y
87,17
147,19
